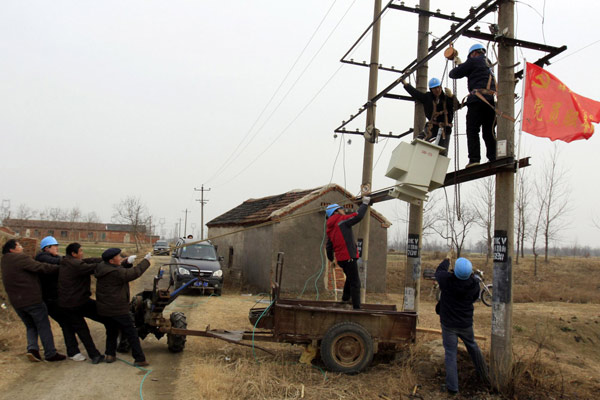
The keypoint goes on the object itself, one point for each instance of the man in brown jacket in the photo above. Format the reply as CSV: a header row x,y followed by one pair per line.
x,y
22,284
112,300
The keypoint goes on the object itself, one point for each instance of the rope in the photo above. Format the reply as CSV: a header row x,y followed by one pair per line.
x,y
456,153
148,371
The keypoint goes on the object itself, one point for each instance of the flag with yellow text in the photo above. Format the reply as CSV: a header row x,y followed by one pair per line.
x,y
552,110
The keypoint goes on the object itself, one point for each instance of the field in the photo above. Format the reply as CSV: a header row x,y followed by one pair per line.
x,y
556,328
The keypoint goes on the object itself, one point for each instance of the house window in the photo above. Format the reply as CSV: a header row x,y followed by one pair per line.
x,y
50,232
36,233
103,235
90,235
63,234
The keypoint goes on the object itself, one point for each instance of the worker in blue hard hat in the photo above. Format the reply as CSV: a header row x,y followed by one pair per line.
x,y
49,283
459,291
481,114
439,106
341,244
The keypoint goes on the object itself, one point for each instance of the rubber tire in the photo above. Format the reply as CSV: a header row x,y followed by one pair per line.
x,y
353,335
485,297
217,292
176,343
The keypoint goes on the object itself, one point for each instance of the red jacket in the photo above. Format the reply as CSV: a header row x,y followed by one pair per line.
x,y
339,233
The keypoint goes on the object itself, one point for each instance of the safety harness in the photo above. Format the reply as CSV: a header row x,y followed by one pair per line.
x,y
480,93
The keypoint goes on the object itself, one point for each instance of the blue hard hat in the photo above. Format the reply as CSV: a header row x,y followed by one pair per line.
x,y
331,209
476,46
434,82
463,268
48,241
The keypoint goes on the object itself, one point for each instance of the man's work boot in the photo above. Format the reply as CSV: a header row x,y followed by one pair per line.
x,y
97,359
56,357
34,356
110,359
141,363
472,164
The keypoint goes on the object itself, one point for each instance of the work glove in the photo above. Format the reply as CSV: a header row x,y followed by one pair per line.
x,y
448,92
131,259
366,200
148,256
457,60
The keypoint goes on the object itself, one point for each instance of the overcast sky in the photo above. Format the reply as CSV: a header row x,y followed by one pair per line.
x,y
104,100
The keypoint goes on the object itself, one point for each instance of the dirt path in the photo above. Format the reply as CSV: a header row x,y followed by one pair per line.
x,y
82,380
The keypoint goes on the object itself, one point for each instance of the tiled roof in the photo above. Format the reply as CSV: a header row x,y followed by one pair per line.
x,y
256,211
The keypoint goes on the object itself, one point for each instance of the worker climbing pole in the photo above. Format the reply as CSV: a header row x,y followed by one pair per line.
x,y
412,286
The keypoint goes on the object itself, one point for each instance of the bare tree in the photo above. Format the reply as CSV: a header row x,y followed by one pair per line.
x,y
91,217
133,212
484,205
450,227
521,208
25,212
74,214
537,226
54,214
554,182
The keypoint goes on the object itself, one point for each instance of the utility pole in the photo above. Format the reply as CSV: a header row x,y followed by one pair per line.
x,y
501,348
179,228
202,203
412,289
370,138
185,226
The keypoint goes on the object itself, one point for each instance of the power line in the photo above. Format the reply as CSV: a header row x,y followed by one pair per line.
x,y
292,87
286,128
227,162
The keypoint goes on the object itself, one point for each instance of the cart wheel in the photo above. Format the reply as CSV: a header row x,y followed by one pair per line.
x,y
347,347
176,343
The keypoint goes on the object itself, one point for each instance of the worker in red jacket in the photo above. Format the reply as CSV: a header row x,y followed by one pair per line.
x,y
341,243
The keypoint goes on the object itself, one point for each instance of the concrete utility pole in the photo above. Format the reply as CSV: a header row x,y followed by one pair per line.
x,y
185,226
501,349
202,203
370,138
412,289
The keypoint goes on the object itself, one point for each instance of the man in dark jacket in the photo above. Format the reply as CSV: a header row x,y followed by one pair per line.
x,y
439,108
341,243
459,291
74,296
22,285
49,282
112,300
480,102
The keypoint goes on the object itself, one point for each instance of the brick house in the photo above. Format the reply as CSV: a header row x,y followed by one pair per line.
x,y
250,235
65,231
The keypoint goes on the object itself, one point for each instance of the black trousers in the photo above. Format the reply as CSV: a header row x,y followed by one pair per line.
x,y
77,317
59,315
125,324
482,117
352,285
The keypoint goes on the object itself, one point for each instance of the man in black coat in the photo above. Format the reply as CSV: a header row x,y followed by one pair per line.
x,y
74,296
22,285
49,282
112,300
459,291
480,113
439,106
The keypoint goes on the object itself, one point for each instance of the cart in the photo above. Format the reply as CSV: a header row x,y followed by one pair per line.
x,y
347,339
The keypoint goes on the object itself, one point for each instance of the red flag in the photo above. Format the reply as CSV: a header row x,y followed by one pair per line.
x,y
552,110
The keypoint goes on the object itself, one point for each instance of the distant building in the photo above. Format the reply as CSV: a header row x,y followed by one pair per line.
x,y
250,235
65,231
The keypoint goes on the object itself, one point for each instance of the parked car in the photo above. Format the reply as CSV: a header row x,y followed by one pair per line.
x,y
196,260
161,247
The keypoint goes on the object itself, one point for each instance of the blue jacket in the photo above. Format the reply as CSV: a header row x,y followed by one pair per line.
x,y
458,296
478,73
